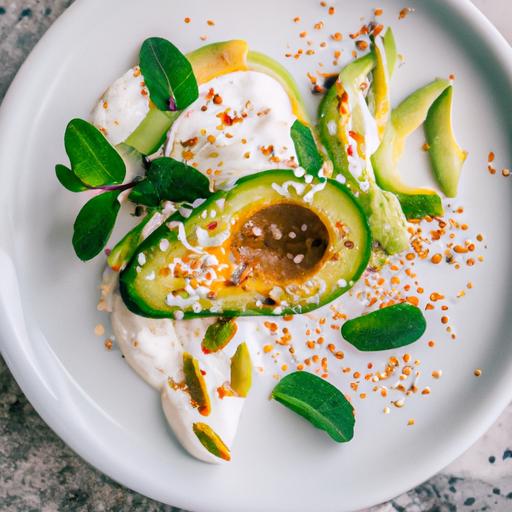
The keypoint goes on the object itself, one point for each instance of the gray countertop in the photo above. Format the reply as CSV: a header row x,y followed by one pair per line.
x,y
39,472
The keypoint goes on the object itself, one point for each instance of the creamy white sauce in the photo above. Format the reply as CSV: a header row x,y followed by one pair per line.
x,y
226,153
122,107
154,349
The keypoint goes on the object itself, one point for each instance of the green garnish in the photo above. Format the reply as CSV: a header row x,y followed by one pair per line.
x,y
97,165
94,224
218,335
319,402
168,179
196,385
168,75
384,329
211,441
305,147
68,179
241,371
94,161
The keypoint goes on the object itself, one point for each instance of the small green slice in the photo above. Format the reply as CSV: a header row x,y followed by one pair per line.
x,y
386,328
446,155
211,441
319,402
196,384
218,335
241,371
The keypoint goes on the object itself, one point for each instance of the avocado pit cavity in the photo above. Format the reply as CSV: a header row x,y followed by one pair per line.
x,y
282,243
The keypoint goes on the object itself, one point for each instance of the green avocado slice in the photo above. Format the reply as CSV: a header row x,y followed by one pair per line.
x,y
407,117
272,245
208,62
445,154
386,219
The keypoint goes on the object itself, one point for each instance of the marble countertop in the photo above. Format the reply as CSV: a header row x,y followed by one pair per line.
x,y
39,472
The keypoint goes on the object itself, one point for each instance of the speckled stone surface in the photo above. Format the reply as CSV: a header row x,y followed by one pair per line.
x,y
38,472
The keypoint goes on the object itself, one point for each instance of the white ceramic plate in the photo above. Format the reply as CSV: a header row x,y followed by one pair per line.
x,y
94,401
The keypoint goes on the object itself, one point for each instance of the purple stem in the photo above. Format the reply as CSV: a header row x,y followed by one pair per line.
x,y
125,186
172,104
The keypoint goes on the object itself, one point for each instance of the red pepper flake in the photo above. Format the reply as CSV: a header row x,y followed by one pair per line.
x,y
187,20
337,36
491,156
217,99
377,30
378,12
361,45
190,142
211,23
331,11
319,25
350,150
296,19
212,225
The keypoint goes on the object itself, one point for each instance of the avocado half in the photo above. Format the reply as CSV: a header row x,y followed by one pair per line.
x,y
209,62
272,245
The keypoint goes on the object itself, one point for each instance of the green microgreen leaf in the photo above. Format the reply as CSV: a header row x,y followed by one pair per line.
x,y
93,159
94,224
386,328
305,147
170,180
68,179
319,402
168,75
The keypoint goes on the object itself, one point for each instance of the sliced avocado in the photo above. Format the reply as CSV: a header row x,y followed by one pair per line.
x,y
272,245
261,62
385,216
151,132
208,62
379,100
216,59
445,154
407,117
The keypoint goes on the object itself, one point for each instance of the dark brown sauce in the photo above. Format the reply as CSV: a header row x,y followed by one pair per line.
x,y
282,243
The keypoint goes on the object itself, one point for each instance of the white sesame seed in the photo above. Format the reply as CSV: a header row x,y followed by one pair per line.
x,y
257,231
304,227
292,235
298,259
178,315
141,258
164,244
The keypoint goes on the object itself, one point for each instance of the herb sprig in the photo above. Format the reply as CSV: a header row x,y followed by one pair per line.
x,y
96,165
